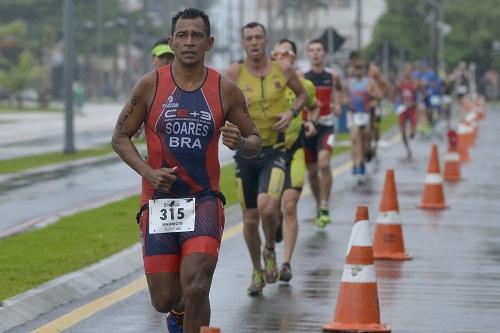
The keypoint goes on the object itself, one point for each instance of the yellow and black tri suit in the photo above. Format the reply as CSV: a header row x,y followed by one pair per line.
x,y
294,139
265,173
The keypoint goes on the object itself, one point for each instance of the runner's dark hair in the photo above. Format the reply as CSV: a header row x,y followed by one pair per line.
x,y
251,25
317,41
191,13
292,43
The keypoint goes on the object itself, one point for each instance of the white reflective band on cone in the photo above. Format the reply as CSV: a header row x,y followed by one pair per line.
x,y
463,129
471,116
360,235
359,274
433,179
388,217
452,157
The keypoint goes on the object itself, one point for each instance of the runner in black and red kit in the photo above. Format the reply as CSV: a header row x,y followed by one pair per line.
x,y
406,107
185,107
318,149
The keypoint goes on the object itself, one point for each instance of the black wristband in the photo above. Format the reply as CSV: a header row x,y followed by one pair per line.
x,y
295,112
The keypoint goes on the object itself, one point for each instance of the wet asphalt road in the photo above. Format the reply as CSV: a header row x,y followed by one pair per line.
x,y
29,199
452,284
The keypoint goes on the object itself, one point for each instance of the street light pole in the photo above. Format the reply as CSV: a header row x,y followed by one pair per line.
x,y
358,24
69,64
99,46
145,38
441,34
270,21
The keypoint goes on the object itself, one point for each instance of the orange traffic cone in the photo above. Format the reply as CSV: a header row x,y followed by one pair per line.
x,y
388,241
452,165
465,133
470,119
463,149
357,302
206,329
433,196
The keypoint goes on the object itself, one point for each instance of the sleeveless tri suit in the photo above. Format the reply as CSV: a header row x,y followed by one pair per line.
x,y
182,130
325,130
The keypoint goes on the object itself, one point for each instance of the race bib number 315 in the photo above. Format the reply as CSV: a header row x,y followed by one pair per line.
x,y
171,215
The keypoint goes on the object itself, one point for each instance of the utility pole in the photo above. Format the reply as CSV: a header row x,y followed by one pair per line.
x,y
358,23
331,43
434,35
385,58
230,30
145,37
270,22
285,17
241,13
401,52
99,47
440,52
69,64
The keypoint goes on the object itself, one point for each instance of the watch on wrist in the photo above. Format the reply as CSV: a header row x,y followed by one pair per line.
x,y
295,112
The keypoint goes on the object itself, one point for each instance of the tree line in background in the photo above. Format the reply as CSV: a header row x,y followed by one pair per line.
x,y
473,36
31,43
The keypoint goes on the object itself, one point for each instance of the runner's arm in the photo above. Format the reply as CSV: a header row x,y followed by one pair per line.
x,y
337,95
374,90
239,132
129,121
293,82
296,85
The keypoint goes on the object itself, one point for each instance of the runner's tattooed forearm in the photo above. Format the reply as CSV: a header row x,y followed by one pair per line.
x,y
244,107
130,109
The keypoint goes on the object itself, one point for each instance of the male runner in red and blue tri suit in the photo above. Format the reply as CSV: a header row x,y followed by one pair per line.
x,y
185,107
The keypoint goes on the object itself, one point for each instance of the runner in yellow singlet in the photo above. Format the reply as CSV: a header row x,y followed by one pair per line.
x,y
260,180
285,51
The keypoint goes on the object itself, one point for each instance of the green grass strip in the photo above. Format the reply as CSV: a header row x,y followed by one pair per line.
x,y
30,259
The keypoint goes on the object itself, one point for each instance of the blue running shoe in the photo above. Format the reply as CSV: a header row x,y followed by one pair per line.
x,y
362,169
174,322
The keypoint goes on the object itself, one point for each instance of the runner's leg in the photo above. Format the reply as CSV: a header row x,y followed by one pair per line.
x,y
165,290
324,158
290,226
197,270
312,176
252,236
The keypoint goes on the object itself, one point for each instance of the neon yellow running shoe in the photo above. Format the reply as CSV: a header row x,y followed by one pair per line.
x,y
271,272
323,219
257,284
